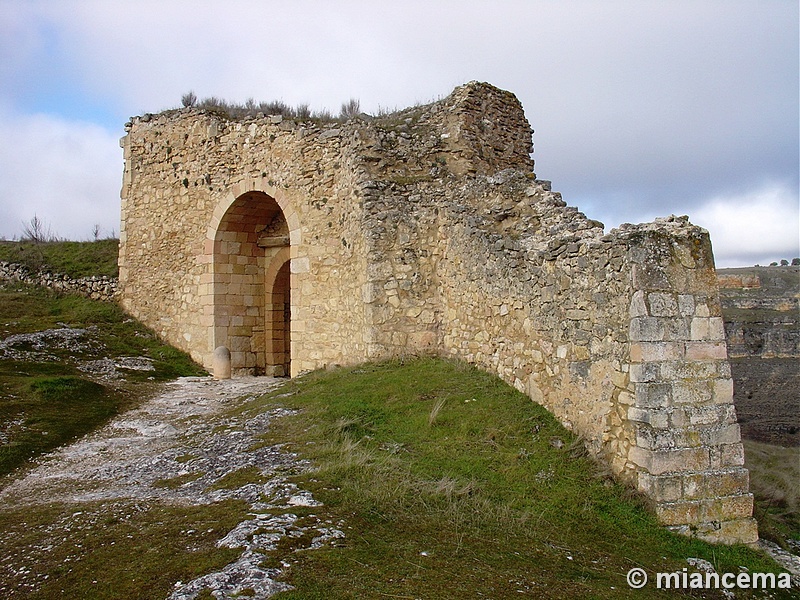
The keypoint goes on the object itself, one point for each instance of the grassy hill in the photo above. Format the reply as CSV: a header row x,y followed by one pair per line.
x,y
76,259
447,482
67,365
454,485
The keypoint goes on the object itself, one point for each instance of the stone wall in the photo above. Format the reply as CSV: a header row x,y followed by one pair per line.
x,y
97,288
427,231
198,193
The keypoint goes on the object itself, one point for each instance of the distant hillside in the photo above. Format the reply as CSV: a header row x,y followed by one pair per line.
x,y
761,308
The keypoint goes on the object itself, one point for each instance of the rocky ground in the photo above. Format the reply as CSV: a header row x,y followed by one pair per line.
x,y
191,436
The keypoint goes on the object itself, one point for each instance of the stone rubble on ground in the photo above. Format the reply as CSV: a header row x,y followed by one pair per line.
x,y
130,457
39,346
32,346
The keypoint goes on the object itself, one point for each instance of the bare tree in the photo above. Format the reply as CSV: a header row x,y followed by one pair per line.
x,y
37,231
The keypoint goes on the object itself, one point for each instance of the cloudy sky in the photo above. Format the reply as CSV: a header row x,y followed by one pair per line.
x,y
641,108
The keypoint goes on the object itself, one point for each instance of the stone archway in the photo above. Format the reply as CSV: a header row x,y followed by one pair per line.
x,y
251,284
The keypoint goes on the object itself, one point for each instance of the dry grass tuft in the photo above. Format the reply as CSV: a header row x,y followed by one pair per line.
x,y
437,407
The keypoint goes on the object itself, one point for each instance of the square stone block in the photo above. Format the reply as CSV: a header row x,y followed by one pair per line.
x,y
662,304
722,391
677,460
736,531
727,508
678,513
646,329
653,395
656,351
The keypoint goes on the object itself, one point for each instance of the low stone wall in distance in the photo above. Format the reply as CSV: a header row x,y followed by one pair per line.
x,y
97,288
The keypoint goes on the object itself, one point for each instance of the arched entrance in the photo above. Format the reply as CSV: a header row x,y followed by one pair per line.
x,y
252,285
278,315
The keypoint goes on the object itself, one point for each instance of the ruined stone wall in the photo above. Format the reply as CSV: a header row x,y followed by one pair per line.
x,y
426,231
95,287
619,335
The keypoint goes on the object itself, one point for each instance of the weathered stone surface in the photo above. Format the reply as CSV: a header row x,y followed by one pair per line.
x,y
300,245
97,288
221,363
121,466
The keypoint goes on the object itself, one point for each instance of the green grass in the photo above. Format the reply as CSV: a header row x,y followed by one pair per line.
x,y
46,402
239,478
76,259
447,482
54,411
775,483
112,550
451,485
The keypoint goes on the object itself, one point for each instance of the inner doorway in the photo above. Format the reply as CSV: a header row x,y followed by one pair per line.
x,y
279,311
252,286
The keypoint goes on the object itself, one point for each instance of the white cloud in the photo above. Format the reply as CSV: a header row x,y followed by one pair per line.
x,y
752,228
639,108
67,173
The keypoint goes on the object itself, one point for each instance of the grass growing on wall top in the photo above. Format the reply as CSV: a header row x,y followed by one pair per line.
x,y
450,484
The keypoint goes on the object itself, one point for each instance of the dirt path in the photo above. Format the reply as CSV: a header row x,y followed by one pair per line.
x,y
183,436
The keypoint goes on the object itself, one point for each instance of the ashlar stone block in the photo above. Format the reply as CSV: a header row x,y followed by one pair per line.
x,y
662,304
653,395
744,530
656,351
659,462
646,329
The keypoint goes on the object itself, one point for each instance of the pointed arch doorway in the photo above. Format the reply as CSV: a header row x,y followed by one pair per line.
x,y
252,285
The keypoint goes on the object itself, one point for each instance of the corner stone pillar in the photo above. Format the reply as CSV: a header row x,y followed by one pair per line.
x,y
687,454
